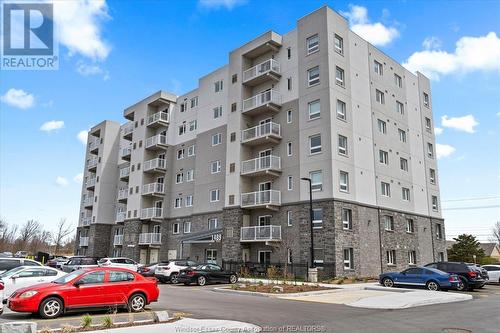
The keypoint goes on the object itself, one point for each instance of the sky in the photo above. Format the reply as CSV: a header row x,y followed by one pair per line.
x,y
114,53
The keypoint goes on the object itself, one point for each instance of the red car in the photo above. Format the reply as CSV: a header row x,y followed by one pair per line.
x,y
85,289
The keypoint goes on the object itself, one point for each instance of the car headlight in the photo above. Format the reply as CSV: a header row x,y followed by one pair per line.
x,y
28,294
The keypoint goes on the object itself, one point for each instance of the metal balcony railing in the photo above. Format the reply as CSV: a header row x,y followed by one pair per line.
x,y
158,118
92,162
124,172
261,131
264,98
153,188
151,213
118,240
263,68
91,182
84,241
93,145
125,152
120,216
261,164
261,198
149,238
155,164
122,194
88,201
157,140
260,233
86,221
128,129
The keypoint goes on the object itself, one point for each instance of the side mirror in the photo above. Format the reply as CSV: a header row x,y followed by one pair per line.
x,y
78,283
15,276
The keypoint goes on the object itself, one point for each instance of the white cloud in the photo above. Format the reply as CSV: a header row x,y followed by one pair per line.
x,y
470,54
78,178
82,136
431,43
18,98
438,130
52,125
218,4
61,181
375,33
463,124
498,114
91,69
444,150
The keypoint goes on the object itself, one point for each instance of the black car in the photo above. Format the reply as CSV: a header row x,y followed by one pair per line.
x,y
481,271
469,277
206,273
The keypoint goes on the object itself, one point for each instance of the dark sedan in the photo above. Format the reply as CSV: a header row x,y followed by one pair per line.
x,y
206,273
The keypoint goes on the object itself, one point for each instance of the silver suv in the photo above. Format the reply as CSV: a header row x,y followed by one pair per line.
x,y
169,271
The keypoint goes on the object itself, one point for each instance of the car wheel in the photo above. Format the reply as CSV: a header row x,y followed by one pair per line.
x,y
462,284
202,281
433,286
387,282
173,278
51,307
136,303
233,279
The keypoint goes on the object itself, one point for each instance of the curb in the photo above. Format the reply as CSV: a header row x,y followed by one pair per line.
x,y
277,295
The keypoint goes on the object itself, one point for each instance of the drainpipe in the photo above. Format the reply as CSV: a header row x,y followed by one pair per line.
x,y
380,242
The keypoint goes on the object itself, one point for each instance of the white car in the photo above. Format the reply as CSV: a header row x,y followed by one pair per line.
x,y
25,276
6,264
119,262
170,271
493,273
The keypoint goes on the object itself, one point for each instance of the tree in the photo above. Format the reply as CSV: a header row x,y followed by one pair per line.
x,y
496,232
63,230
465,248
29,230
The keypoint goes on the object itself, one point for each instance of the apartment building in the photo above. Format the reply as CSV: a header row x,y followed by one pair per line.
x,y
215,174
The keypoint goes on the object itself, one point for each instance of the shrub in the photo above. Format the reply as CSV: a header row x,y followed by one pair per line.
x,y
66,328
86,321
107,322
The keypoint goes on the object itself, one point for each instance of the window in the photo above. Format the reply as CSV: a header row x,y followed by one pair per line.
x,y
339,76
341,110
378,68
215,167
180,154
440,256
289,151
319,255
186,227
317,218
289,218
233,107
403,164
232,167
386,189
400,108
175,228
402,135
412,257
289,83
232,136
434,203
405,193
289,116
432,176
182,128
313,76
315,144
382,126
338,44
234,78
178,203
290,183
316,180
191,150
217,112
344,181
383,157
379,96
92,278
179,178
289,52
216,139
398,80
193,125
346,219
190,175
189,201
214,195
426,99
391,257
289,256
428,124
194,102
439,231
218,85
183,106
410,226
312,44
342,145
349,258
314,109
213,223
430,150
388,223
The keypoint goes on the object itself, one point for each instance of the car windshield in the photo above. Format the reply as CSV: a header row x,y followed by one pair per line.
x,y
68,277
103,260
11,272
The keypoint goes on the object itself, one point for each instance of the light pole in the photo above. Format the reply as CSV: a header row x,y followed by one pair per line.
x,y
311,217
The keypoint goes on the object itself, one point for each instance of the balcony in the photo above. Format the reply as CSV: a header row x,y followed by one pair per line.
x,y
267,70
90,184
267,42
124,173
89,201
128,129
157,142
118,240
158,119
125,153
151,213
86,221
122,195
261,199
92,163
266,165
264,133
94,145
267,101
150,239
155,165
264,233
84,241
157,189
120,216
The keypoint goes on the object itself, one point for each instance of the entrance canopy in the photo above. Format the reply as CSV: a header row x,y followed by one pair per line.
x,y
208,236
